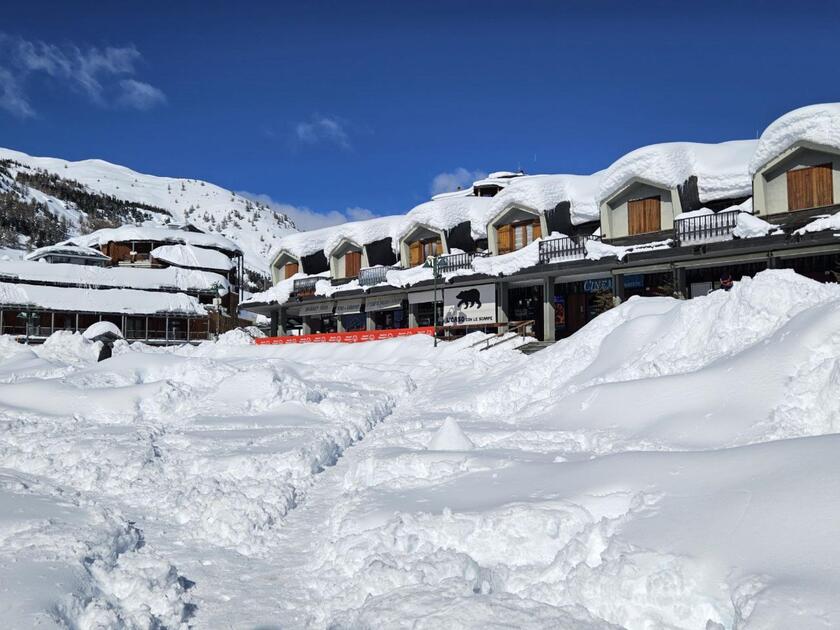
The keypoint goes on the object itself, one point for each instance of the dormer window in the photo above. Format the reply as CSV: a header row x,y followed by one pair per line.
x,y
517,235
290,269
486,191
352,264
419,251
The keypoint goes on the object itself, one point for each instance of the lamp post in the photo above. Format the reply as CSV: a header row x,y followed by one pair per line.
x,y
432,263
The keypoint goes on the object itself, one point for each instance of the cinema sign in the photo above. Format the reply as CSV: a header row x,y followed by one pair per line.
x,y
469,306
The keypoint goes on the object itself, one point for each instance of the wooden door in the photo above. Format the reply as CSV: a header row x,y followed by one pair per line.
x,y
644,215
810,187
575,312
291,269
352,264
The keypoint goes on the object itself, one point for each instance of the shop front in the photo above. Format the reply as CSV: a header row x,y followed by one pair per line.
x,y
350,315
577,303
701,280
318,318
525,303
421,305
387,312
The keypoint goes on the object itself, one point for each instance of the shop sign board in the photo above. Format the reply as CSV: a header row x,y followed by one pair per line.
x,y
469,306
597,285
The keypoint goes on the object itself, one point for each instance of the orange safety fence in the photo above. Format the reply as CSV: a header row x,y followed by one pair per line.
x,y
348,337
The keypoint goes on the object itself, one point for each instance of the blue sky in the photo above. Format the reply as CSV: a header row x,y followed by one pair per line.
x,y
337,105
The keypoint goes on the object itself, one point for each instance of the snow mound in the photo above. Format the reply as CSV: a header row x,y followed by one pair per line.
x,y
450,437
102,328
816,124
750,226
721,169
69,347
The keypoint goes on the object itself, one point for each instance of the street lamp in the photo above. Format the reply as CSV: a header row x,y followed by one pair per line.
x,y
432,263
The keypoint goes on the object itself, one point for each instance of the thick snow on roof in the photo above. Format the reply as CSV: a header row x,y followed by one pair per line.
x,y
722,170
117,277
194,257
544,192
68,250
445,213
153,232
127,301
301,244
818,124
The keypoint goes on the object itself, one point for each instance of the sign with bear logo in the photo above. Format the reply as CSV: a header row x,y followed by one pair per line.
x,y
469,306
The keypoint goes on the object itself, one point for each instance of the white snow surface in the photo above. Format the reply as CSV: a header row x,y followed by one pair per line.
x,y
750,226
129,301
543,192
671,465
831,222
116,277
102,328
816,124
66,249
153,232
193,257
722,170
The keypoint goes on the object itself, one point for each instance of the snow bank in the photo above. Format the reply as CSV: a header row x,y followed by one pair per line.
x,y
822,223
750,226
102,328
817,124
194,257
722,170
506,264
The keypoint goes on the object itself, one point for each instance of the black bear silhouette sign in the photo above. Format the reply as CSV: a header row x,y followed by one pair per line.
x,y
469,298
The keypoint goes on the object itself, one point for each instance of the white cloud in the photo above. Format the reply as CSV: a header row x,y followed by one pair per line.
x,y
307,219
140,95
12,98
103,75
322,129
451,181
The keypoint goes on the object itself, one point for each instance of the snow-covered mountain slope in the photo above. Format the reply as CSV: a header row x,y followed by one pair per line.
x,y
71,196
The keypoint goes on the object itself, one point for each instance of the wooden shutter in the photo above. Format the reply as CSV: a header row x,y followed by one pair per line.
x,y
537,230
352,264
644,215
415,251
505,236
291,269
810,187
437,248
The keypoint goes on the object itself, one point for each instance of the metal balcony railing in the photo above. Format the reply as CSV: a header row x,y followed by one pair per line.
x,y
563,248
370,276
706,228
305,286
452,262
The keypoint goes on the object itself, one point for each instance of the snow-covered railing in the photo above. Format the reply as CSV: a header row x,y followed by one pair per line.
x,y
305,286
563,248
370,276
453,262
706,228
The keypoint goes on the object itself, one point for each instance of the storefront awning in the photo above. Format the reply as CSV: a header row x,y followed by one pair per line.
x,y
384,303
348,307
421,297
321,308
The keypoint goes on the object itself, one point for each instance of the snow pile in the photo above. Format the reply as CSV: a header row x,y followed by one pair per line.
x,y
450,437
543,192
596,250
831,222
815,124
102,328
445,214
750,226
193,257
721,169
150,231
510,263
326,239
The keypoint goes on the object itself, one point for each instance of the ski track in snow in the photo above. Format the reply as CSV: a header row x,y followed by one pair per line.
x,y
673,465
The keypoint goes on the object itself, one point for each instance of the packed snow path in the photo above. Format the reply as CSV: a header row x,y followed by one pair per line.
x,y
673,465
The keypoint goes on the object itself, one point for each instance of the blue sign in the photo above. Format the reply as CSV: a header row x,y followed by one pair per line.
x,y
635,281
597,286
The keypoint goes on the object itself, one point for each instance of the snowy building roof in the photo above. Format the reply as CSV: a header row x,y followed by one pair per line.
x,y
127,301
815,124
722,170
447,212
117,277
301,244
66,250
544,192
156,233
193,257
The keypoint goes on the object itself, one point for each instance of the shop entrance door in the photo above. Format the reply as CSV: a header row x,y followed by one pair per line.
x,y
576,305
526,303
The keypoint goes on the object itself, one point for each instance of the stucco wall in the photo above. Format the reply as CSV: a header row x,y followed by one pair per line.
x,y
770,185
614,220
